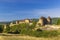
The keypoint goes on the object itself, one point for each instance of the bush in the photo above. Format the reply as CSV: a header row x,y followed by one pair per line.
x,y
7,29
27,30
1,28
21,28
45,33
58,22
14,29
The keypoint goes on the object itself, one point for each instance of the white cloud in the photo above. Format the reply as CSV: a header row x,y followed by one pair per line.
x,y
48,12
41,12
36,13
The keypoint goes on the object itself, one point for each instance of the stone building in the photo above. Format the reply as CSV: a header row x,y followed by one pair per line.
x,y
20,22
49,20
12,24
44,21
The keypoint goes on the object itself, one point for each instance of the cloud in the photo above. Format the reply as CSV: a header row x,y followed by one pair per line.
x,y
35,13
51,12
55,12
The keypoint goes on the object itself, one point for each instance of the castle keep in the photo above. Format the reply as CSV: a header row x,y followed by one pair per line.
x,y
44,21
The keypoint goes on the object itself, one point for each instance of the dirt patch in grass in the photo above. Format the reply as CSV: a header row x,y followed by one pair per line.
x,y
27,38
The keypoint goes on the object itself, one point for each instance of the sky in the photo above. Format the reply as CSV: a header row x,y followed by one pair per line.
x,y
22,9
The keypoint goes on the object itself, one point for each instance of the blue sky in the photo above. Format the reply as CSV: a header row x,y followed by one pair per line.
x,y
21,9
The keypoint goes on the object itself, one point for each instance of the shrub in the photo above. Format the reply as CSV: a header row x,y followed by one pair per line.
x,y
27,30
14,30
1,28
58,22
45,33
7,29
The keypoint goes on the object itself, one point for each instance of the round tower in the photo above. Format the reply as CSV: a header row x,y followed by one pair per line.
x,y
49,20
42,21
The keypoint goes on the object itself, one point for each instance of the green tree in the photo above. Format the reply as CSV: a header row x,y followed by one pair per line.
x,y
58,22
1,28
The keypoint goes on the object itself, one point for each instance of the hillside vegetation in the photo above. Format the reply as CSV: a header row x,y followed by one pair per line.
x,y
26,29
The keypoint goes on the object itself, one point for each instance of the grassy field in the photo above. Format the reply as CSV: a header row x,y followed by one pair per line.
x,y
27,38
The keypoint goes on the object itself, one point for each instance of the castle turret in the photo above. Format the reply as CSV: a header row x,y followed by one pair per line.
x,y
42,21
49,20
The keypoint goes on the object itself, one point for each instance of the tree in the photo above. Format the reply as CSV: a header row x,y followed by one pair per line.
x,y
1,28
58,22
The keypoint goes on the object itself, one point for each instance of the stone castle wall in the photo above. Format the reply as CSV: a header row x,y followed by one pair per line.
x,y
43,21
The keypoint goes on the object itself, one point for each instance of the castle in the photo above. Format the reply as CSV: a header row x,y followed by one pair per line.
x,y
44,21
28,21
41,22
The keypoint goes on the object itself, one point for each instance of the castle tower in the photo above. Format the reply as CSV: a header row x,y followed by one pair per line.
x,y
49,20
42,21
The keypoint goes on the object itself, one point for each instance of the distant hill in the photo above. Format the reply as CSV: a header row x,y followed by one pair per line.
x,y
54,20
4,23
